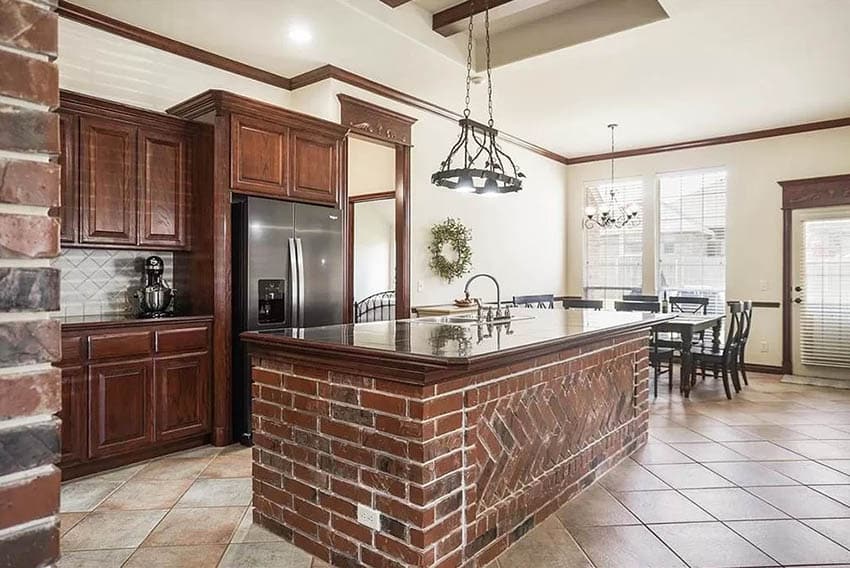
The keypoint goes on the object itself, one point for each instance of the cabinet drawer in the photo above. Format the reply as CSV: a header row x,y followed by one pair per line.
x,y
72,350
178,340
119,345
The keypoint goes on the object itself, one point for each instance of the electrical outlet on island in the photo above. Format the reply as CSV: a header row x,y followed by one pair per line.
x,y
368,517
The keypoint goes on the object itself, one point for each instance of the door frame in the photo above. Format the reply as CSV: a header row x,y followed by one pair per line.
x,y
375,123
806,193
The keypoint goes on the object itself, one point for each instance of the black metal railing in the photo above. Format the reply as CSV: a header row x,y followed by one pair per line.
x,y
377,307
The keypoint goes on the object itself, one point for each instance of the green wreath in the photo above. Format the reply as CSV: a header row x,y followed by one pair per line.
x,y
450,232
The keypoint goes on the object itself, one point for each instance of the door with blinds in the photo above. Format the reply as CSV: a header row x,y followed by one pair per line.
x,y
821,293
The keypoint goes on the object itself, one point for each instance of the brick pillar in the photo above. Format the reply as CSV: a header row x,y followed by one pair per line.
x,y
30,392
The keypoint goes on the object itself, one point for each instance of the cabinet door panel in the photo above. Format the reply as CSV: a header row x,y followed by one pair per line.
x,y
258,155
315,167
182,395
69,215
163,189
120,402
73,415
107,182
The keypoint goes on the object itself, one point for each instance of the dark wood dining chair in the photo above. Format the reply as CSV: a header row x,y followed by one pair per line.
x,y
746,324
582,304
635,306
658,355
725,359
546,301
689,304
640,298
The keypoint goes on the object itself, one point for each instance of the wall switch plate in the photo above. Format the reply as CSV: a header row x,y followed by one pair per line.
x,y
764,346
419,285
368,517
763,285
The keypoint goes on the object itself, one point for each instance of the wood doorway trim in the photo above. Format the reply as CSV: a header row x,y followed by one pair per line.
x,y
385,126
803,194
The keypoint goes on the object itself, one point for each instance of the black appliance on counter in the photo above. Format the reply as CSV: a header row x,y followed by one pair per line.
x,y
287,272
156,296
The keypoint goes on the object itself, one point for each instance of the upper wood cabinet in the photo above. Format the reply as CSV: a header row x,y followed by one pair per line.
x,y
107,182
163,182
259,156
126,176
315,167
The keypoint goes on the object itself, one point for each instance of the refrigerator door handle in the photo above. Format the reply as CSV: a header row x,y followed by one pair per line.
x,y
301,295
294,277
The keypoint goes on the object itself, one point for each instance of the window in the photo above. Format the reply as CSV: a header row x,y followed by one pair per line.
x,y
613,257
692,236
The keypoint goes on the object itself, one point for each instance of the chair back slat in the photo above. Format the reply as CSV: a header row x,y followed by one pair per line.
x,y
640,298
635,306
746,321
689,304
582,304
546,301
733,330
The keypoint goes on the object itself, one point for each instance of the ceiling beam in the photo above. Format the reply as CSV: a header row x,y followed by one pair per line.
x,y
395,3
442,21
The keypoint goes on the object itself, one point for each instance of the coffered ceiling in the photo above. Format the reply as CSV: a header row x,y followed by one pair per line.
x,y
689,69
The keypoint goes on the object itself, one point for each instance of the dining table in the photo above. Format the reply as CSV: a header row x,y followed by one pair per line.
x,y
687,326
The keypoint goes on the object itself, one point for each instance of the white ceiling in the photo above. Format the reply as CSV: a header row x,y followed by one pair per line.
x,y
714,67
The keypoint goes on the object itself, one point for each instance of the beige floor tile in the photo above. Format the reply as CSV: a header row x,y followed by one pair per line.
x,y
819,432
671,435
173,468
629,476
624,547
595,507
688,476
801,502
547,546
146,494
121,473
95,558
841,465
250,532
68,520
711,545
820,450
836,529
749,474
111,529
791,542
192,556
218,493
230,464
662,507
840,493
196,526
85,495
727,434
659,452
200,452
704,452
809,472
773,433
265,555
762,451
733,504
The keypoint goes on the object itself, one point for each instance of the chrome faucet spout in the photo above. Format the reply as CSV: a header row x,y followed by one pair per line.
x,y
498,292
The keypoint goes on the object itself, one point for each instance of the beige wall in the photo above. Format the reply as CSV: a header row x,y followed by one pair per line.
x,y
754,217
371,167
374,247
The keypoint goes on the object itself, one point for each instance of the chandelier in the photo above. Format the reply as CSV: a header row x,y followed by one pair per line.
x,y
475,163
611,214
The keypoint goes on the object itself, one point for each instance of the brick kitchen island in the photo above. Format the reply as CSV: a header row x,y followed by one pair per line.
x,y
453,441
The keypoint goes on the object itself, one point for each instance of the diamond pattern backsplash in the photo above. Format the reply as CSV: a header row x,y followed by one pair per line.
x,y
101,281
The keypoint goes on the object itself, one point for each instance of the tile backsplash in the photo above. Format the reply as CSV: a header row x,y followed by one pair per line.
x,y
102,281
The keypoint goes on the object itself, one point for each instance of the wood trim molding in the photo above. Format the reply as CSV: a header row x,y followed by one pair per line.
x,y
729,139
84,104
100,21
442,21
803,194
767,369
375,122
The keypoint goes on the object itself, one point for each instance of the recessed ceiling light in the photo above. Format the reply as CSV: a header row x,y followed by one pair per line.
x,y
300,34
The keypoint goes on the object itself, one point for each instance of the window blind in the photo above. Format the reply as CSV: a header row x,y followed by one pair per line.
x,y
613,257
825,279
692,236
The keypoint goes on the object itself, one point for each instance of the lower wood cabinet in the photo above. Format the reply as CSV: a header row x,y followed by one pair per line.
x,y
133,391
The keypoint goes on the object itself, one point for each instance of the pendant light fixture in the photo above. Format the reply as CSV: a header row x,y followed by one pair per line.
x,y
611,214
475,163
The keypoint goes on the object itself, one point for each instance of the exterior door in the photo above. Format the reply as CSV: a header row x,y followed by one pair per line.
x,y
107,182
120,402
162,182
182,395
821,293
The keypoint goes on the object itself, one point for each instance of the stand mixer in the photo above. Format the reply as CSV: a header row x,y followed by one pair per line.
x,y
156,296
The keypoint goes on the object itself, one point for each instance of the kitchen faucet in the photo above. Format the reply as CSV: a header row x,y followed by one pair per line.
x,y
506,314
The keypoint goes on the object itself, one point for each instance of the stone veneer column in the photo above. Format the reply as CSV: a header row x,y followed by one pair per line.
x,y
30,392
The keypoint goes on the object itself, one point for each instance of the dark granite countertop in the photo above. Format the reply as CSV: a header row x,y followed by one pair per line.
x,y
117,319
419,343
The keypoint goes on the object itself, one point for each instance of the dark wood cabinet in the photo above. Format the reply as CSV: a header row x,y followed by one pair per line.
x,y
259,156
163,183
70,189
315,167
133,390
120,397
73,415
182,395
107,182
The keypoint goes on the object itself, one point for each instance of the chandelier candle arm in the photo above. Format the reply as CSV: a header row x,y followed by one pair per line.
x,y
611,214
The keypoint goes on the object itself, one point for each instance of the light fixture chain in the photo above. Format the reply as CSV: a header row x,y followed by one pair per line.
x,y
466,111
489,74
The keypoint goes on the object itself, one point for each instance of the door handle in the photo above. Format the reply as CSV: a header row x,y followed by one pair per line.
x,y
798,300
301,295
293,288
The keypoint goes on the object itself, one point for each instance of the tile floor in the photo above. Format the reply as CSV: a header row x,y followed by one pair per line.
x,y
762,480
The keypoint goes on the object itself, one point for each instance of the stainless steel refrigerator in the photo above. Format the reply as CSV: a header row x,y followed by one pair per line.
x,y
287,272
